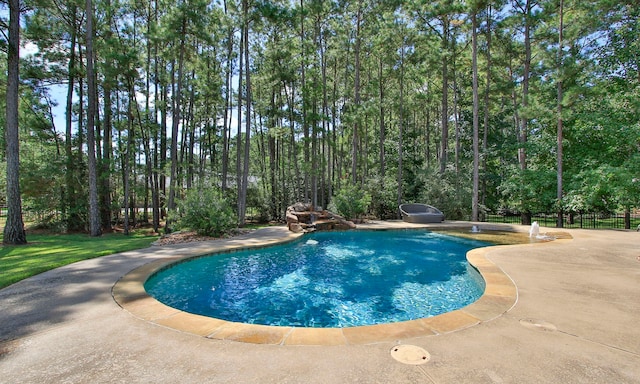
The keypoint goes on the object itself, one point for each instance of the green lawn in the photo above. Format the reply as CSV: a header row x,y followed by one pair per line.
x,y
45,252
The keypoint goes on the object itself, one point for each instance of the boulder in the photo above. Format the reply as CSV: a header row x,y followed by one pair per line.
x,y
303,218
296,228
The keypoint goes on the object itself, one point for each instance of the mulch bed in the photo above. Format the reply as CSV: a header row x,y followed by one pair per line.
x,y
181,237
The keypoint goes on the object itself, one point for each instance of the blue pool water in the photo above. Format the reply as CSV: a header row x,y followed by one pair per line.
x,y
328,279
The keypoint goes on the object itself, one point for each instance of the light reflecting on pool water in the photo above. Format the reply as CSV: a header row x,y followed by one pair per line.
x,y
328,279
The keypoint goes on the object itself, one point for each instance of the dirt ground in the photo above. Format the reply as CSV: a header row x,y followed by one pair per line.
x,y
181,237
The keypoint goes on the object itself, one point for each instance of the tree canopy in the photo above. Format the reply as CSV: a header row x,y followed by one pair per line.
x,y
476,107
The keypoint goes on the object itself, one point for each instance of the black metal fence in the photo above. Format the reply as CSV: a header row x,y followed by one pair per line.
x,y
583,220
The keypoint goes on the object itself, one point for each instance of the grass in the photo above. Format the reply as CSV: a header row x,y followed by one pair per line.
x,y
48,251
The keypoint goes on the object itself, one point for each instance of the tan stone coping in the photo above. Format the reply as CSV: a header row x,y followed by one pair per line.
x,y
500,296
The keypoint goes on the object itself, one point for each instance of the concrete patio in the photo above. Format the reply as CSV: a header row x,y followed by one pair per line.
x,y
575,320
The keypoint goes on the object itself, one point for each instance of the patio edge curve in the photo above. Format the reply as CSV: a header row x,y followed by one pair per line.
x,y
499,297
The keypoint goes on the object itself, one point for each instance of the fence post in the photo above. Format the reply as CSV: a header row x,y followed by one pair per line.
x,y
627,219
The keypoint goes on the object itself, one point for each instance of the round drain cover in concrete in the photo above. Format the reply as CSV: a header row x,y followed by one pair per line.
x,y
539,325
410,354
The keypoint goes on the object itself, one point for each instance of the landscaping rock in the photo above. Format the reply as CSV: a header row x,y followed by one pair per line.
x,y
303,218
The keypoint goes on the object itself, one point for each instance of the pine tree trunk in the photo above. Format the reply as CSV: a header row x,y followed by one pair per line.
x,y
162,162
174,128
456,121
125,179
94,212
400,129
239,132
191,134
303,96
14,227
476,121
227,110
560,221
485,131
105,169
445,98
293,149
242,195
71,216
326,148
356,125
228,72
382,132
271,143
524,130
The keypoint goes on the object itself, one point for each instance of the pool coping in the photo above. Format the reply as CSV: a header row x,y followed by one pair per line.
x,y
500,295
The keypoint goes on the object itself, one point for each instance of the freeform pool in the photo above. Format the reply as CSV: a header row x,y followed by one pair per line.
x,y
329,279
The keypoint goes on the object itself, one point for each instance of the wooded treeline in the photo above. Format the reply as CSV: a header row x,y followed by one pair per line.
x,y
473,106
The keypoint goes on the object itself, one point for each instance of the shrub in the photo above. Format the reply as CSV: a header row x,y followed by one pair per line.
x,y
205,211
384,197
447,192
351,201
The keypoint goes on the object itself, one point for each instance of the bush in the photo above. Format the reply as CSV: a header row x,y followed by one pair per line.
x,y
257,205
447,192
351,202
384,197
205,211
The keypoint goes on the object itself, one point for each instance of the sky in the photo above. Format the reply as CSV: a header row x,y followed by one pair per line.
x,y
58,94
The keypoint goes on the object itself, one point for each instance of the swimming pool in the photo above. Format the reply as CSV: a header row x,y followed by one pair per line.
x,y
327,279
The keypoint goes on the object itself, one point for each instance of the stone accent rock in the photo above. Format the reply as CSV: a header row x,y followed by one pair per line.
x,y
296,228
304,218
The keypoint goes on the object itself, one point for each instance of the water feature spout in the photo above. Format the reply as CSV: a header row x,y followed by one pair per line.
x,y
535,229
475,229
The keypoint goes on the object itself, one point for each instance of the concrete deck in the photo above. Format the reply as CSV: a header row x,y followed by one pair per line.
x,y
575,320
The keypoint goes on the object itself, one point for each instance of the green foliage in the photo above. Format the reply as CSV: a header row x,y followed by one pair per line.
x,y
529,191
305,112
351,201
205,211
45,252
259,204
604,188
41,184
384,197
447,192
